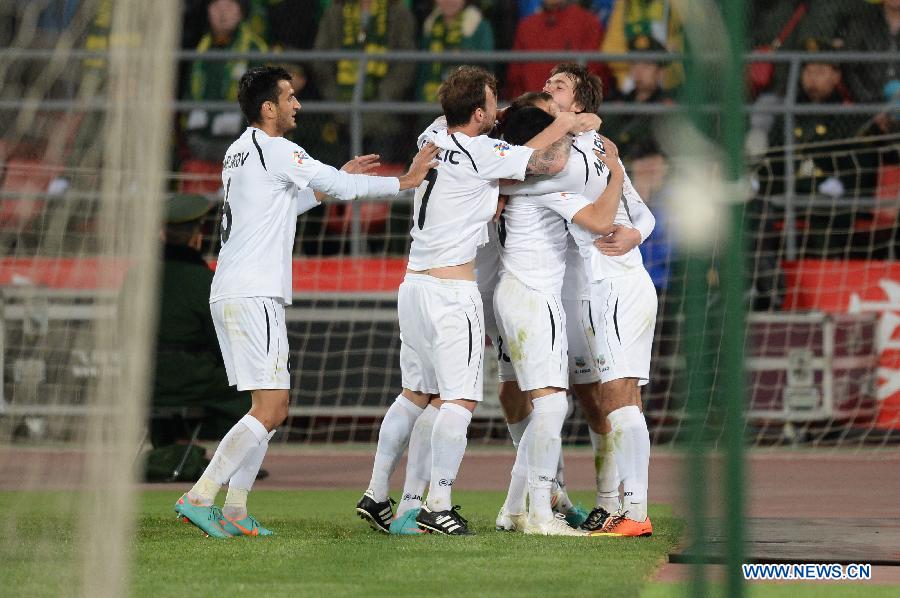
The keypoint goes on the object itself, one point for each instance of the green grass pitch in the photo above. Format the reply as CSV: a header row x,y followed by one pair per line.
x,y
323,549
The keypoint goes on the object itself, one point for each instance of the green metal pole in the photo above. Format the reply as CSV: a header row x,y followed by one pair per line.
x,y
697,402
732,280
698,366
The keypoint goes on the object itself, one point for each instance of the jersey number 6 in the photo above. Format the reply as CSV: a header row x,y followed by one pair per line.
x,y
226,215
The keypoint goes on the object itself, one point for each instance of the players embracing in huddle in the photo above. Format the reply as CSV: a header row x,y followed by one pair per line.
x,y
562,274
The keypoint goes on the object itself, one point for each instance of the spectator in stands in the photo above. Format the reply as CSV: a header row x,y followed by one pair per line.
x,y
451,27
647,78
373,26
560,25
189,369
210,132
792,22
877,30
282,23
655,19
828,161
503,15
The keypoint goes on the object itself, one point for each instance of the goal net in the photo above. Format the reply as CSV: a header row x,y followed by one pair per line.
x,y
820,239
83,159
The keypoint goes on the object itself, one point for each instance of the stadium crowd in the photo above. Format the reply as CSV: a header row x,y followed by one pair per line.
x,y
459,26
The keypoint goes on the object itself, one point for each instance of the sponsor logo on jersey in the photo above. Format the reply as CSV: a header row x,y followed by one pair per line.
x,y
299,157
500,148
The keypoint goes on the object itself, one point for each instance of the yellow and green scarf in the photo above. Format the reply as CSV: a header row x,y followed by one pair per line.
x,y
445,35
373,40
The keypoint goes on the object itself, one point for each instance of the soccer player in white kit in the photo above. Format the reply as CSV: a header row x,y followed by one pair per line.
x,y
620,319
574,89
528,306
268,182
440,309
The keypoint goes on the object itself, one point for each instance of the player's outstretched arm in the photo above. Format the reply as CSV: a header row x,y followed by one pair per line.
x,y
421,164
331,182
358,165
599,216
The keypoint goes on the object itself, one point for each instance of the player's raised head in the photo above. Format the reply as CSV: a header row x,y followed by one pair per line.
x,y
467,90
575,88
524,123
258,86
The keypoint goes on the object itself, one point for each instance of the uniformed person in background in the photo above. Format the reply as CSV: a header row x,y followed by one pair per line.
x,y
830,158
189,368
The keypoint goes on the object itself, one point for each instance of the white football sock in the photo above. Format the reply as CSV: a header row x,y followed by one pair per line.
x,y
418,461
563,502
241,482
632,455
606,471
448,445
518,479
393,437
542,440
245,436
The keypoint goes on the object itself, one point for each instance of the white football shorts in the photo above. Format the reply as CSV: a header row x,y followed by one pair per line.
x,y
624,311
253,338
532,334
581,336
441,337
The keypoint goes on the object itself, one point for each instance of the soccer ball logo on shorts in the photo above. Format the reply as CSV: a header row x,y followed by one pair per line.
x,y
500,148
299,157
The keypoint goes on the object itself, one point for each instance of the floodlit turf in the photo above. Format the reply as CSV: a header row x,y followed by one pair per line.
x,y
322,548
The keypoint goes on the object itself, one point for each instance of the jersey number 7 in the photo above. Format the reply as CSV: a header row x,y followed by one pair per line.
x,y
431,179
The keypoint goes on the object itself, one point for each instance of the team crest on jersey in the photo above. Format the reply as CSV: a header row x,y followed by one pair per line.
x,y
580,362
299,157
500,148
601,360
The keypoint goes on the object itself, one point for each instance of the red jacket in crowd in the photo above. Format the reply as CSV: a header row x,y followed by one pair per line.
x,y
568,27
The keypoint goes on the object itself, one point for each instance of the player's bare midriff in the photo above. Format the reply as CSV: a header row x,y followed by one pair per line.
x,y
461,272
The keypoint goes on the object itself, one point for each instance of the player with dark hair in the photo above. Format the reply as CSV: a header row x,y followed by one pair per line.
x,y
532,324
268,181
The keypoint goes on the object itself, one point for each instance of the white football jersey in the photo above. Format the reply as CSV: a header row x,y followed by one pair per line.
x,y
459,196
533,237
267,184
584,169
